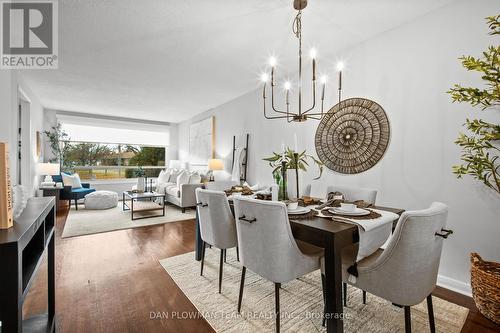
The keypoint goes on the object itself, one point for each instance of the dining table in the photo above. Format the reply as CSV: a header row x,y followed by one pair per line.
x,y
332,235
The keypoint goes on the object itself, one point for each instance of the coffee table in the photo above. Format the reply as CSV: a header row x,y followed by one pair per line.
x,y
143,202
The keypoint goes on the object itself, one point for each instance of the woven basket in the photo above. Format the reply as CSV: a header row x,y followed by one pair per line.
x,y
485,282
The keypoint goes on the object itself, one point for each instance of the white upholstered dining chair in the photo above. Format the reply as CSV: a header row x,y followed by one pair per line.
x,y
354,193
268,248
405,273
217,225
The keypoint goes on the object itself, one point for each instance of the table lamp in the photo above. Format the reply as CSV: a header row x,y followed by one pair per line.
x,y
49,170
215,164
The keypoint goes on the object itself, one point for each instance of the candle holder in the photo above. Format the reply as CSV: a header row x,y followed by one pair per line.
x,y
283,193
296,160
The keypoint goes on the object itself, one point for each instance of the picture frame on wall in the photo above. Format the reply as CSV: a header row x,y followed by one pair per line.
x,y
202,141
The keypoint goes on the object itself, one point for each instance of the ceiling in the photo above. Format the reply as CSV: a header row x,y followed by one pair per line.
x,y
168,60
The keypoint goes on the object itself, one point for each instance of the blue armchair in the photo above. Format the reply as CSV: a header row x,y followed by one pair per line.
x,y
69,193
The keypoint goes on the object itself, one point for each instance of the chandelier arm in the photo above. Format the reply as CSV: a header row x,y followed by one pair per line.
x,y
272,102
314,99
321,114
264,107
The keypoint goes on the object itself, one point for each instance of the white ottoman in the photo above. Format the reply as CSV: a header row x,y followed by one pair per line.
x,y
101,200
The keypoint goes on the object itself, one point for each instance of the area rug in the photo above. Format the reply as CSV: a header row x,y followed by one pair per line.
x,y
85,222
301,302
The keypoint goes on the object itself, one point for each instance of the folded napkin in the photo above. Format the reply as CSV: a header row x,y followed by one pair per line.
x,y
367,225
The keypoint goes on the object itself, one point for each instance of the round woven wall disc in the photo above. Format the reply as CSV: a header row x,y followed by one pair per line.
x,y
353,136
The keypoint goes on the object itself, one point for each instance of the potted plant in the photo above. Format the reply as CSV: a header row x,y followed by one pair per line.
x,y
286,170
140,174
480,152
57,140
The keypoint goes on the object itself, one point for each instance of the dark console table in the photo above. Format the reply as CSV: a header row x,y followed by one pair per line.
x,y
21,252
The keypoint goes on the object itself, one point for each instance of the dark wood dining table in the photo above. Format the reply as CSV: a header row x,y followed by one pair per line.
x,y
332,236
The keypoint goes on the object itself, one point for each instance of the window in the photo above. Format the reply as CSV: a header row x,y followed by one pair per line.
x,y
93,161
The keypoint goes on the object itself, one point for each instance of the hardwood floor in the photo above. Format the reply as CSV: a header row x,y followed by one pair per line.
x,y
112,282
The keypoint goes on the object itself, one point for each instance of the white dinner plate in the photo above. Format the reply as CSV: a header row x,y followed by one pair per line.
x,y
300,210
355,212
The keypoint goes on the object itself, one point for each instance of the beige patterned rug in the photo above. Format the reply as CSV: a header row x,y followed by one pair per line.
x,y
86,222
301,301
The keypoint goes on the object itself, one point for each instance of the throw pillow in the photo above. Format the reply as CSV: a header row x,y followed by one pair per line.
x,y
173,175
71,180
182,178
163,177
195,178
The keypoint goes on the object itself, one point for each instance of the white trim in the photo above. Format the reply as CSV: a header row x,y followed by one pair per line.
x,y
454,285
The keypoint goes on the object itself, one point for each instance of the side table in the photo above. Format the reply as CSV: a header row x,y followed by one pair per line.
x,y
53,191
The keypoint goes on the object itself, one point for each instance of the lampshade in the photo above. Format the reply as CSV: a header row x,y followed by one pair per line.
x,y
215,164
48,169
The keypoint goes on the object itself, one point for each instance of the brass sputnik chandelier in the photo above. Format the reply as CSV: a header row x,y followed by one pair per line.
x,y
299,115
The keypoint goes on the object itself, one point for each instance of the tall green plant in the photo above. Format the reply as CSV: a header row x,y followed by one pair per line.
x,y
480,146
57,137
276,160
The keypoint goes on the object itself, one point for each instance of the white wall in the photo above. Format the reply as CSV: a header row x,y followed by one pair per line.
x,y
408,71
10,82
8,106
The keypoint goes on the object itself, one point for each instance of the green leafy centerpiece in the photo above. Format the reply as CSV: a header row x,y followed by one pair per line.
x,y
290,160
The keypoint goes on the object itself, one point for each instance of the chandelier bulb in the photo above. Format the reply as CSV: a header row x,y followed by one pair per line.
x,y
312,53
272,61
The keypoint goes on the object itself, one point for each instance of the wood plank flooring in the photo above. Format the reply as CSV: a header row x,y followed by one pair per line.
x,y
112,282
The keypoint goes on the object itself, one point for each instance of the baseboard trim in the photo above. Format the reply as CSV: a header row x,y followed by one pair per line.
x,y
454,285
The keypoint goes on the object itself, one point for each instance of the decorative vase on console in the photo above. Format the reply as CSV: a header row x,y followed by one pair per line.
x,y
19,200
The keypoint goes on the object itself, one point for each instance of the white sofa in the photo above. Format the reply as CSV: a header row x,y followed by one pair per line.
x,y
179,186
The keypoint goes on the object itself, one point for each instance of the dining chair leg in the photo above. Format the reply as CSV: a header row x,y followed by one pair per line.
x,y
277,305
203,247
344,286
225,255
220,269
430,310
407,320
364,297
237,254
242,284
324,299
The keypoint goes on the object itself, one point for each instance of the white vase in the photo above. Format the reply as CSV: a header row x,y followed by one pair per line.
x,y
141,184
291,178
20,199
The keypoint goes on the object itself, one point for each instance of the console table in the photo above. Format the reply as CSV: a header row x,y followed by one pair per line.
x,y
21,252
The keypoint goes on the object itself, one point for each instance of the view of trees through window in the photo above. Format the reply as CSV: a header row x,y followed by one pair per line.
x,y
112,161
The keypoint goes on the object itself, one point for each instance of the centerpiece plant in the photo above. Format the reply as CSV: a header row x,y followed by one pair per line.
x,y
288,160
